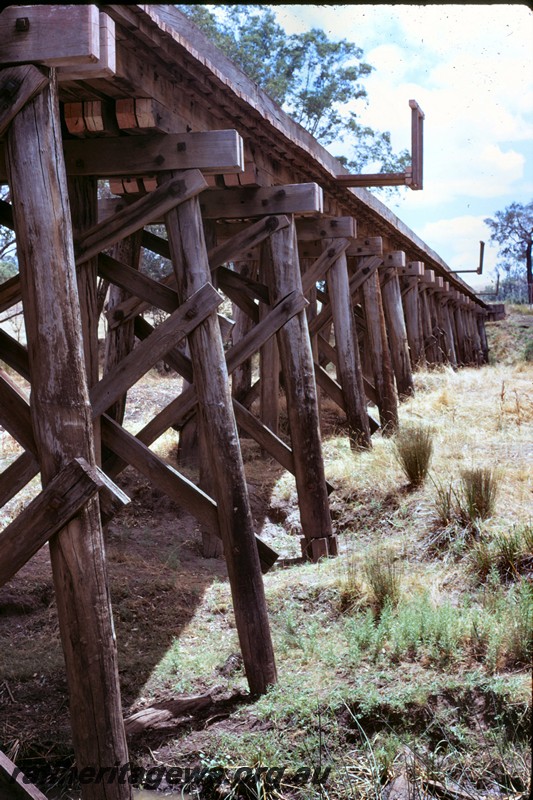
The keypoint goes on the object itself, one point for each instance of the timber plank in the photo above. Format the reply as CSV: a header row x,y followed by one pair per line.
x,y
140,213
49,512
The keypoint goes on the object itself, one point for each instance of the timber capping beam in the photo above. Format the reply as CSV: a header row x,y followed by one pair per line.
x,y
73,486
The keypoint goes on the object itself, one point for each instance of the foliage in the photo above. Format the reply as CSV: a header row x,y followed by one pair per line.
x,y
512,230
413,447
312,77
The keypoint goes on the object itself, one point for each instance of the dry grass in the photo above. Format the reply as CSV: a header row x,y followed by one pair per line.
x,y
413,448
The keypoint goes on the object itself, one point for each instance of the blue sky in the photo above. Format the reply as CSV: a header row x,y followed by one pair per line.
x,y
470,67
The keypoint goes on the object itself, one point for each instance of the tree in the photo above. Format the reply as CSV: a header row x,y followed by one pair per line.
x,y
310,76
512,230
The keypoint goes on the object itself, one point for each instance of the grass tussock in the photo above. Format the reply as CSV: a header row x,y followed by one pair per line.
x,y
478,493
413,448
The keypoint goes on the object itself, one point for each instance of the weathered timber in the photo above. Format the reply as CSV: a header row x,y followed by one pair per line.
x,y
348,357
209,151
409,286
132,451
328,258
366,246
300,389
162,475
134,283
90,118
147,115
309,230
241,380
380,357
15,477
221,254
245,419
106,65
83,198
17,86
176,412
167,714
49,512
397,334
449,340
53,35
9,293
364,271
299,198
183,321
19,786
429,342
269,362
334,390
119,341
15,414
191,266
177,190
62,422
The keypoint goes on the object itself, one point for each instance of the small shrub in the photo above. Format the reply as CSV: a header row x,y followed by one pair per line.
x,y
477,499
528,351
383,576
413,446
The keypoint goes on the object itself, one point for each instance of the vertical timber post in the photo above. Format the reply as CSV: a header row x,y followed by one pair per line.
x,y
62,422
83,198
268,361
120,340
409,283
348,356
380,355
392,302
217,422
302,407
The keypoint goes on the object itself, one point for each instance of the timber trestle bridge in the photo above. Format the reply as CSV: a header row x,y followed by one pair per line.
x,y
336,295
